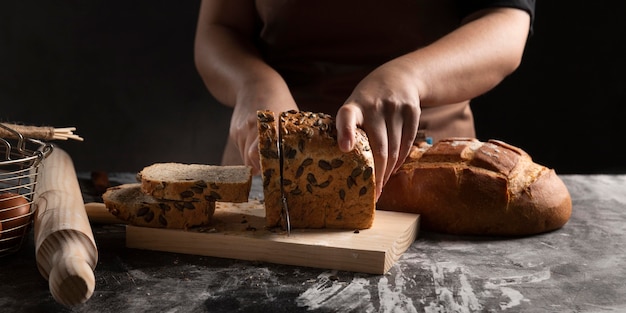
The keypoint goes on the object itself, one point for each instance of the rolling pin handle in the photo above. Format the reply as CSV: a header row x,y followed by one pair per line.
x,y
65,249
71,279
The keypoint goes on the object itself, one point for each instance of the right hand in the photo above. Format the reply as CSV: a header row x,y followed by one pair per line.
x,y
386,105
243,132
243,123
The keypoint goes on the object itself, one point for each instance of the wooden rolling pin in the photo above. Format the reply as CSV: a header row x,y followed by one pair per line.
x,y
65,249
98,214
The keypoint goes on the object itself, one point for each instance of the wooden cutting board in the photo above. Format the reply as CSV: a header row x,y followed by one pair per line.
x,y
238,232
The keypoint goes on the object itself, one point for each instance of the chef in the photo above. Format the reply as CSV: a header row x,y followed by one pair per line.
x,y
389,67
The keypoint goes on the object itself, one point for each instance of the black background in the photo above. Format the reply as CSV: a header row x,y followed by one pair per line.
x,y
122,72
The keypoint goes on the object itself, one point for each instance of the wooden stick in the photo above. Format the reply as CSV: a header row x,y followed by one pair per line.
x,y
65,249
99,214
40,132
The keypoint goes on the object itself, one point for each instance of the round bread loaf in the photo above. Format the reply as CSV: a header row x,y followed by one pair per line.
x,y
467,187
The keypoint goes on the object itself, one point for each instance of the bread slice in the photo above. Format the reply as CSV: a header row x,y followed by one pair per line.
x,y
194,182
128,203
270,165
324,187
465,186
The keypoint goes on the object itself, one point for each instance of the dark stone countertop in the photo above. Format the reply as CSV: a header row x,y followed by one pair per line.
x,y
579,268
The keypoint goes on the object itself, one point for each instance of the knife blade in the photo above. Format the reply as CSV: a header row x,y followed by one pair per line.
x,y
283,198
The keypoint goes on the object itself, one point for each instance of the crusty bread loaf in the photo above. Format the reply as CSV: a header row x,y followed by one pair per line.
x,y
193,182
128,203
468,187
324,187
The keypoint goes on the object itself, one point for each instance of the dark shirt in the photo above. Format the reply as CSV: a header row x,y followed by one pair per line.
x,y
467,7
323,48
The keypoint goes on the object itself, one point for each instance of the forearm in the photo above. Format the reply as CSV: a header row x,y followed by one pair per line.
x,y
230,66
227,60
470,60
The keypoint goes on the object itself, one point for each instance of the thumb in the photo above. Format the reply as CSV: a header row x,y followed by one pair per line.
x,y
348,118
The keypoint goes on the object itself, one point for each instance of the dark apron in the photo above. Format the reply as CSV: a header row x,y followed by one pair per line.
x,y
323,48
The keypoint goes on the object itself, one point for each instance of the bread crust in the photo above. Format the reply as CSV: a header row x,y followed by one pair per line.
x,y
270,166
194,182
467,187
324,187
128,203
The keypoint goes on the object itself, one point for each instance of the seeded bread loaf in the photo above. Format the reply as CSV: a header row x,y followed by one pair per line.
x,y
270,165
128,203
468,187
193,182
324,187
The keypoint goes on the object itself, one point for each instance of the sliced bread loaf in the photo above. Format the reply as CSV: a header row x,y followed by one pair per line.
x,y
193,182
128,203
270,165
324,187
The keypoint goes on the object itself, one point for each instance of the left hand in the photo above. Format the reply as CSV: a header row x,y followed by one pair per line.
x,y
386,105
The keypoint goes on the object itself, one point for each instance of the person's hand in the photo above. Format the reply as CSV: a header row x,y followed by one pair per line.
x,y
386,105
243,124
243,132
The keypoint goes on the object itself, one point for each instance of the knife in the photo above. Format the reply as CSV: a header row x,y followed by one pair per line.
x,y
283,199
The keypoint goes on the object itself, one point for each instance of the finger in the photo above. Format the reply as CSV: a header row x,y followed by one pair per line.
x,y
252,156
241,147
409,132
393,124
348,118
377,135
239,138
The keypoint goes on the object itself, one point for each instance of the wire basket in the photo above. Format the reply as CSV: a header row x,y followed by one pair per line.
x,y
20,159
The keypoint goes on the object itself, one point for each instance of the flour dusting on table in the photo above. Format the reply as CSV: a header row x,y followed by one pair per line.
x,y
455,289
